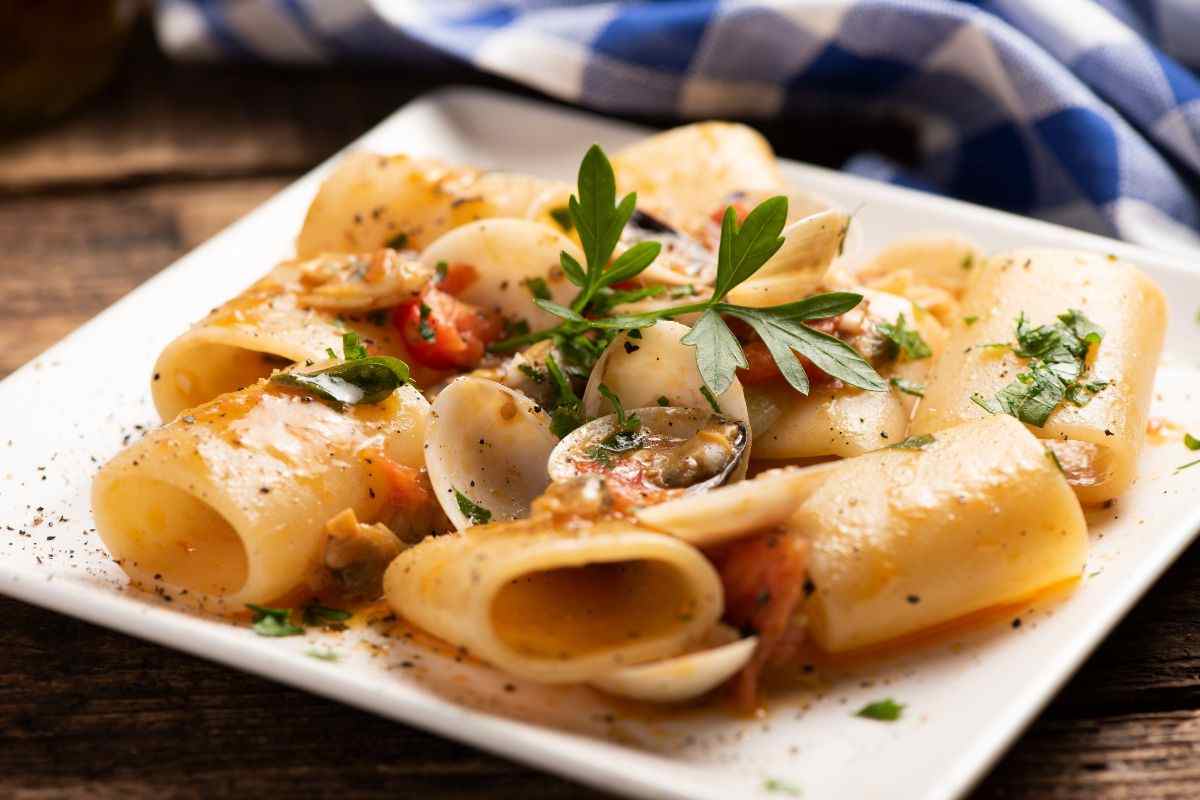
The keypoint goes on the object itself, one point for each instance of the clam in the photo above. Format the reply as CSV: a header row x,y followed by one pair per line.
x,y
717,659
799,268
682,260
360,282
486,451
653,367
656,453
510,258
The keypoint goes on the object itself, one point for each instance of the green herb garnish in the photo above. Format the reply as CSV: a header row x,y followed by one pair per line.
x,y
358,379
887,710
970,320
776,786
1185,466
626,422
1050,454
711,399
567,414
440,271
663,400
908,387
273,621
472,510
743,250
317,614
538,288
398,242
903,340
1191,442
562,216
423,327
914,442
1057,356
322,655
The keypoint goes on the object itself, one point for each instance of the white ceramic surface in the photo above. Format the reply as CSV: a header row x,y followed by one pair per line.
x,y
966,696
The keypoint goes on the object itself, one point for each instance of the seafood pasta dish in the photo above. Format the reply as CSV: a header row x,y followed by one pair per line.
x,y
660,432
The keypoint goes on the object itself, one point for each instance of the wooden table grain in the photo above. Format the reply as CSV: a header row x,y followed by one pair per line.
x,y
93,206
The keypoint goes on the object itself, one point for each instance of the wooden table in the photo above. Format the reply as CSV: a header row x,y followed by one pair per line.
x,y
165,158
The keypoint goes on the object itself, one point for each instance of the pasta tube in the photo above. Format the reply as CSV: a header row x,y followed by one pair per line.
x,y
291,315
370,201
1098,442
231,499
907,538
558,606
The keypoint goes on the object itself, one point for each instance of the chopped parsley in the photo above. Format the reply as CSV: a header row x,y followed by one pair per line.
x,y
352,346
398,242
886,710
711,398
317,614
628,435
322,655
273,621
424,328
477,514
776,786
1191,442
440,271
903,340
970,320
968,261
533,373
663,401
1057,356
1185,466
538,288
914,442
909,387
562,215
567,414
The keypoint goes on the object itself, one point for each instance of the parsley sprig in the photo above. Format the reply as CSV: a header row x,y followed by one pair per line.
x,y
1057,356
744,248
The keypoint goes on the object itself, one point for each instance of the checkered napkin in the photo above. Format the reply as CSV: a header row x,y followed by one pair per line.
x,y
1083,112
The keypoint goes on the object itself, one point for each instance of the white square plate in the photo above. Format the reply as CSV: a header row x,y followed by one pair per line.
x,y
966,696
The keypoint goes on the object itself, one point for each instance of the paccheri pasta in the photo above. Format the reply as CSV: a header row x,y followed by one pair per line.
x,y
655,442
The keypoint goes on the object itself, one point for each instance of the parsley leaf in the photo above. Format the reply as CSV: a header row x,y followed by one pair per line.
x,y
538,288
908,387
776,786
746,247
914,442
423,327
317,614
352,346
273,621
886,710
472,510
718,353
562,215
1191,442
904,340
358,379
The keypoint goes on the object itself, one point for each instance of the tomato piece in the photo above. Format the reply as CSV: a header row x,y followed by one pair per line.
x,y
457,277
764,579
442,332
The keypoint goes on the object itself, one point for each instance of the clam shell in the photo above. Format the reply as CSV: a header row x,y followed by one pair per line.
x,y
677,422
640,371
686,676
507,253
491,443
798,269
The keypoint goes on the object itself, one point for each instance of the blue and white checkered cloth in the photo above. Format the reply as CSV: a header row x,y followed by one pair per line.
x,y
1083,112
